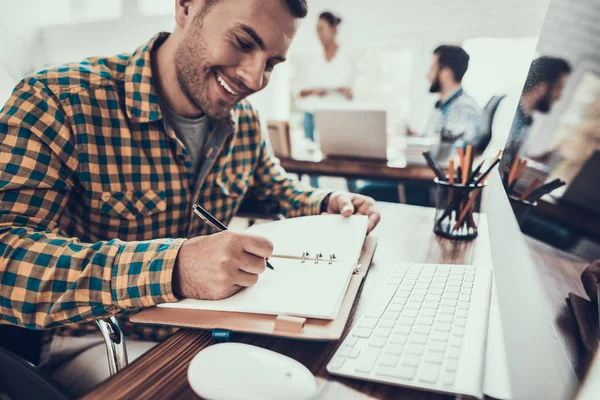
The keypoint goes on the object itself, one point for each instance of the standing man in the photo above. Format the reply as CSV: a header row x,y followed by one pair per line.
x,y
543,87
101,161
456,115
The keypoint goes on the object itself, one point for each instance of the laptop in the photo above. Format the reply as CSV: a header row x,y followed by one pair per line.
x,y
580,192
357,133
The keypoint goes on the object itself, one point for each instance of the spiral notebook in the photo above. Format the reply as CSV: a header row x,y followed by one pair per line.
x,y
314,258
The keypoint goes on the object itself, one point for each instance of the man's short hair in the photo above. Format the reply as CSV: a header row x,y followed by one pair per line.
x,y
299,8
453,57
545,69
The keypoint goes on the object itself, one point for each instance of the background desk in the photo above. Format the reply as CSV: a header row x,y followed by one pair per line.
x,y
162,372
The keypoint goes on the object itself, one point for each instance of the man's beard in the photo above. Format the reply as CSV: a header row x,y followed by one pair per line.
x,y
545,103
436,86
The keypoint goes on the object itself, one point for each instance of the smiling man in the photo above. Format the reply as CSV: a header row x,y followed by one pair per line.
x,y
101,161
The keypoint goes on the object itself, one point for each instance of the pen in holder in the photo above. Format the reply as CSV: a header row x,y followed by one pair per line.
x,y
457,209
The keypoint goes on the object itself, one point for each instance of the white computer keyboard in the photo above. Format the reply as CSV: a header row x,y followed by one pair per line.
x,y
426,329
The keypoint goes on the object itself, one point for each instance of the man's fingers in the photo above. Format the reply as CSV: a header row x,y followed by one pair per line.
x,y
252,264
245,279
256,245
345,205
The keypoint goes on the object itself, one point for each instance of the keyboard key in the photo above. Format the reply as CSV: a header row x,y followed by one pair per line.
x,y
393,315
442,326
395,307
398,301
344,351
367,322
428,312
404,320
451,365
411,360
430,305
385,323
434,357
410,313
393,349
444,317
464,297
439,336
452,289
460,322
458,331
469,279
416,349
448,378
468,285
382,300
418,338
448,303
453,352
436,290
446,310
419,291
466,291
429,372
422,285
462,305
397,338
424,329
383,332
362,332
403,372
337,362
419,298
404,329
350,340
425,320
355,352
389,360
451,296
377,341
438,285
461,313
437,346
367,359
411,305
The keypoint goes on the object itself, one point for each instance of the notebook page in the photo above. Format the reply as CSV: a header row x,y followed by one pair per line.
x,y
293,288
325,234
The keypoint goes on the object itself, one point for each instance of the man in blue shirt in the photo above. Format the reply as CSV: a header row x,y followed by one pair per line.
x,y
544,86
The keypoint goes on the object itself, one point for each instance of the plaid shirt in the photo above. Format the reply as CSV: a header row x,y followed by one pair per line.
x,y
96,196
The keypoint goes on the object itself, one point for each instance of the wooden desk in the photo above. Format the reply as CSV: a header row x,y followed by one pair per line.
x,y
162,372
361,169
571,215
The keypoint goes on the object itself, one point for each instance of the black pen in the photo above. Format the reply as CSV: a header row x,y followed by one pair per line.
x,y
435,167
215,223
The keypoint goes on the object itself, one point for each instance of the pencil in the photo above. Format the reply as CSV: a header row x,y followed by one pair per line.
x,y
451,177
468,163
530,188
466,208
215,223
513,169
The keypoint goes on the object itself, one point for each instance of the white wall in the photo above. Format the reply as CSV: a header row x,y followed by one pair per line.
x,y
572,31
56,35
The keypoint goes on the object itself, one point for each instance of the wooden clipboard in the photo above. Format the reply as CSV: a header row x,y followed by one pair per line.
x,y
284,326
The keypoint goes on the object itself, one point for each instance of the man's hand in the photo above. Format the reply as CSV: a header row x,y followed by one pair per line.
x,y
348,204
313,92
217,266
410,132
590,278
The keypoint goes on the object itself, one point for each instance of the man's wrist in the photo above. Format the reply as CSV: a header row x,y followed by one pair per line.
x,y
325,202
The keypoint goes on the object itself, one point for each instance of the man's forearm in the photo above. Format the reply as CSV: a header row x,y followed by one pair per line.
x,y
48,280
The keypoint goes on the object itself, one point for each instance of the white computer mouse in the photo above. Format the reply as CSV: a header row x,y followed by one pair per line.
x,y
236,371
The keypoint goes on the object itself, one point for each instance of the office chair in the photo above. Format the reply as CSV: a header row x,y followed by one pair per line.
x,y
488,121
20,379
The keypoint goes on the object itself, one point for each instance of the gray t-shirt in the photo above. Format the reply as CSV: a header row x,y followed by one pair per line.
x,y
191,131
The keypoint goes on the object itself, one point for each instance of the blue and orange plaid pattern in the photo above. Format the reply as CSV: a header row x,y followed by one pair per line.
x,y
95,195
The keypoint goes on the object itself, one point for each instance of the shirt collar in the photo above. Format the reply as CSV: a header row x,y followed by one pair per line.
x,y
141,99
455,95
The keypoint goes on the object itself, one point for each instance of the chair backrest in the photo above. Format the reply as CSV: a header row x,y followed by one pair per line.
x,y
488,121
20,380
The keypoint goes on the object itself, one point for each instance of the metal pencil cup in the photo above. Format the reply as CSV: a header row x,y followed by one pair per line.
x,y
457,209
521,208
